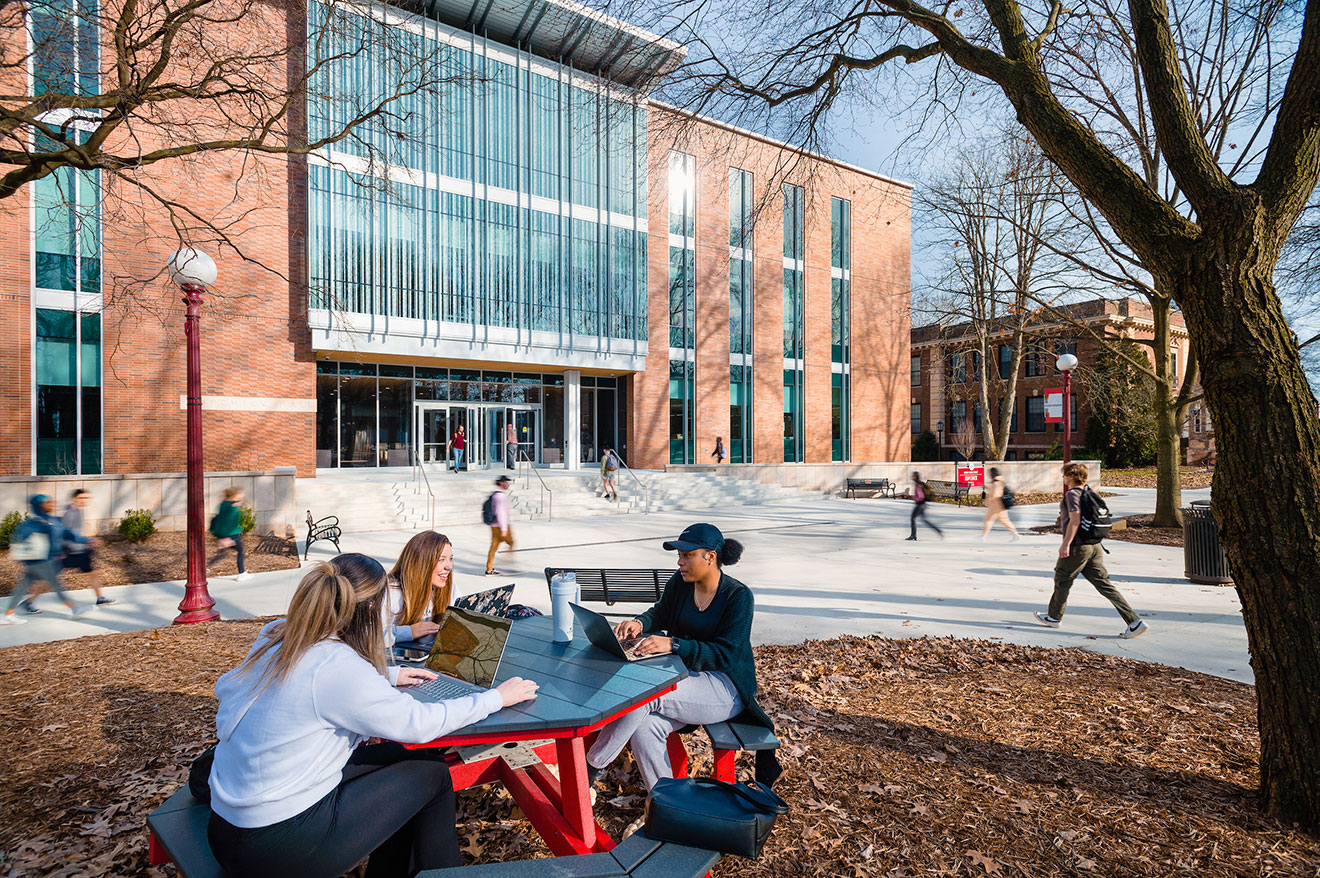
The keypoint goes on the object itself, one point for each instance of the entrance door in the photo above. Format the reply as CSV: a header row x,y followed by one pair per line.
x,y
526,422
432,432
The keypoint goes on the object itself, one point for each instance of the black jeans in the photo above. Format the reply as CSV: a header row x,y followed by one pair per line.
x,y
238,547
394,804
919,511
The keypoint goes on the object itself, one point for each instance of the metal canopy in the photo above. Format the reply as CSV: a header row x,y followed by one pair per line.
x,y
569,33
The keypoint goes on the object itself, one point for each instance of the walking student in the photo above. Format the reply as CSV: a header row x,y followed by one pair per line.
x,y
1083,552
718,453
609,465
495,512
510,445
457,444
997,501
227,528
920,497
45,536
78,554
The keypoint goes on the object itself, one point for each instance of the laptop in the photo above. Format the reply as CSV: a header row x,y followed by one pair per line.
x,y
601,633
466,654
492,601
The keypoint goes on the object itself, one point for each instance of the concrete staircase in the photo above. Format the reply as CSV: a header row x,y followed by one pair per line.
x,y
393,499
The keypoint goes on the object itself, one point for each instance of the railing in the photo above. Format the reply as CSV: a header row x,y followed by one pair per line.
x,y
421,478
547,493
642,487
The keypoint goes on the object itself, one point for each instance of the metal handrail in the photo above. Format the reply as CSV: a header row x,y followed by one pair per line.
x,y
644,486
420,477
547,493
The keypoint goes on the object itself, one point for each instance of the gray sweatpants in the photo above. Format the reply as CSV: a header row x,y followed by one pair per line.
x,y
34,572
702,697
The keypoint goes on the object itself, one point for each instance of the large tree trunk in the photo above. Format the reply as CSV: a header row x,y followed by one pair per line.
x,y
1266,493
1168,428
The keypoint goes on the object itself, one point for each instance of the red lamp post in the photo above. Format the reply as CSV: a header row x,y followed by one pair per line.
x,y
1066,363
194,271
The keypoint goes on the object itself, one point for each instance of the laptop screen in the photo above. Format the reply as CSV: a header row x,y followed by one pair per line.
x,y
469,646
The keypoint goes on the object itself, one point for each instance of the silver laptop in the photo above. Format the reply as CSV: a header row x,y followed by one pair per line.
x,y
466,654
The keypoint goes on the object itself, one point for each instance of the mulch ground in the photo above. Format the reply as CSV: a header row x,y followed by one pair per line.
x,y
163,557
1192,477
1138,529
902,757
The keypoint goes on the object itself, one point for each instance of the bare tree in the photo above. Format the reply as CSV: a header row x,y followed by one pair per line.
x,y
1215,259
964,435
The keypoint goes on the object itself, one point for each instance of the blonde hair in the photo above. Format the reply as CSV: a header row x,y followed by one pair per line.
x,y
413,572
1077,472
340,598
231,493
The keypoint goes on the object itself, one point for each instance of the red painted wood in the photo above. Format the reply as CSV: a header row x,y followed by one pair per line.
x,y
678,758
156,854
575,789
561,838
197,604
725,765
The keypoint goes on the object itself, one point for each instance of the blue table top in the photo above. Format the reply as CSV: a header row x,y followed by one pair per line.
x,y
581,684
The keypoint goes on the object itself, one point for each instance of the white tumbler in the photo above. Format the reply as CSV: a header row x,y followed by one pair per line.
x,y
563,591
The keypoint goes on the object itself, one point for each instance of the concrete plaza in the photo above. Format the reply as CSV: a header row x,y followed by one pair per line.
x,y
819,568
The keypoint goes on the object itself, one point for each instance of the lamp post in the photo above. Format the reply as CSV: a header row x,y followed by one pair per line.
x,y
1065,364
939,432
194,271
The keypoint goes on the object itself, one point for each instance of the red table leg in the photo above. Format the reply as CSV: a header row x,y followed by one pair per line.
x,y
156,854
562,839
572,756
678,758
725,765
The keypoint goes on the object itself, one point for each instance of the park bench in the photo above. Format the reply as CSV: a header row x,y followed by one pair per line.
x,y
178,835
949,489
613,584
322,529
883,487
727,739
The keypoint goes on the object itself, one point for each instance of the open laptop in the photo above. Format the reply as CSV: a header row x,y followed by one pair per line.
x,y
601,633
466,654
492,601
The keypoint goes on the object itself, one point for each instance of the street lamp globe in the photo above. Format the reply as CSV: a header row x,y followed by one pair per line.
x,y
189,267
1066,362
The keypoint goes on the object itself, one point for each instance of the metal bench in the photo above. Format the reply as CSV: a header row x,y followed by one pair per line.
x,y
950,489
883,487
611,585
322,529
727,739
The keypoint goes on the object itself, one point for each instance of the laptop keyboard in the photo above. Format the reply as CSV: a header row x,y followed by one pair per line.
x,y
444,687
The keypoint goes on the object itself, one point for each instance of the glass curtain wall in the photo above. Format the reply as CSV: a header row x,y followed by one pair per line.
x,y
68,400
682,306
555,240
741,295
840,328
794,281
682,411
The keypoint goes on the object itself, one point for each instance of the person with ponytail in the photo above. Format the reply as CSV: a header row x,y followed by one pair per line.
x,y
290,789
421,587
706,617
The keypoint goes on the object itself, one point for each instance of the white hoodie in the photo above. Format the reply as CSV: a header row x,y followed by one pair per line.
x,y
281,751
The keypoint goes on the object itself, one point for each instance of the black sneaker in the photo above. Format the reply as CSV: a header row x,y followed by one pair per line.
x,y
593,773
29,608
101,602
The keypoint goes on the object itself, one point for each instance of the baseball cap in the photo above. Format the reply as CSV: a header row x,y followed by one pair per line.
x,y
697,536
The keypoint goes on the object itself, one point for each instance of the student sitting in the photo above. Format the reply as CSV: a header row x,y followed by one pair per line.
x,y
421,584
290,790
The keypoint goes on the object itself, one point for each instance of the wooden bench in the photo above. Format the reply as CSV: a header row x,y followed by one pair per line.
x,y
322,529
611,584
727,739
883,487
950,489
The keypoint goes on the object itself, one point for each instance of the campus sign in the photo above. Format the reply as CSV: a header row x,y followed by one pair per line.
x,y
971,477
1054,405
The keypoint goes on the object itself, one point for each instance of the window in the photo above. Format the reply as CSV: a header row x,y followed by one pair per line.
x,y
1035,414
65,51
957,368
976,417
957,416
67,229
916,371
839,416
1035,367
740,414
792,416
682,253
1005,361
840,278
1173,368
740,261
682,412
794,271
1061,348
1012,416
916,419
68,400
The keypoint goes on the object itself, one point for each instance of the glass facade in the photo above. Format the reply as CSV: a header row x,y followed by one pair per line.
x,y
65,51
792,415
741,299
682,250
68,402
682,412
740,414
512,194
840,326
794,319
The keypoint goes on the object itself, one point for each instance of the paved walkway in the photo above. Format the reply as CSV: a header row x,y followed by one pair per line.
x,y
818,568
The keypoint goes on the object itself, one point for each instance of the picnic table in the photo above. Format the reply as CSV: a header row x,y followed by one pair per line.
x,y
582,688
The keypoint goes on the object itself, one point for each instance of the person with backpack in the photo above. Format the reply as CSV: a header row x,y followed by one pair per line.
x,y
495,513
920,497
609,465
39,542
1085,520
998,500
227,528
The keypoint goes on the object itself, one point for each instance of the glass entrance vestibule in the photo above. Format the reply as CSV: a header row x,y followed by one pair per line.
x,y
374,415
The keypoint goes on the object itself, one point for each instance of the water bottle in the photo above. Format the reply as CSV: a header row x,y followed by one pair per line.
x,y
563,591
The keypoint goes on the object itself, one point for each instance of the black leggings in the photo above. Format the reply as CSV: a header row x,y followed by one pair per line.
x,y
395,804
919,511
237,547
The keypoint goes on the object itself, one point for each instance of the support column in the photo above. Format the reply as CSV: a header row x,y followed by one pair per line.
x,y
572,419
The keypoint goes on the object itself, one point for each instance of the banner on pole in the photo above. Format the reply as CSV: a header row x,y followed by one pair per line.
x,y
1054,405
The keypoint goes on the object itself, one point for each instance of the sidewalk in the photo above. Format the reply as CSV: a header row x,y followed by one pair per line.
x,y
818,569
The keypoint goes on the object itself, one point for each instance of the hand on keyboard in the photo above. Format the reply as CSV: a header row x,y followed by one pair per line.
x,y
413,676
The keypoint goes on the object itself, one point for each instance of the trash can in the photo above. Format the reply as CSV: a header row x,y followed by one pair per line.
x,y
1203,556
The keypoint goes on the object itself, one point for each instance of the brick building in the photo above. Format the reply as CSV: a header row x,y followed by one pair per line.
x,y
946,389
550,250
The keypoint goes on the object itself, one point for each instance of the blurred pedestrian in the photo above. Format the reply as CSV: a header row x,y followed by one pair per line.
x,y
227,528
609,465
718,453
920,497
495,512
998,500
39,543
79,549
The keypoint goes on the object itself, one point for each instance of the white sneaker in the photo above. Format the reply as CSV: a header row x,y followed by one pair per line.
x,y
1046,619
80,609
243,577
1135,630
12,619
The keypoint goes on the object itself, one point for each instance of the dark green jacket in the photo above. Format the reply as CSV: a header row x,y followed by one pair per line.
x,y
228,522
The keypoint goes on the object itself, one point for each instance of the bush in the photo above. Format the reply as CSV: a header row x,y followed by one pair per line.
x,y
927,446
247,519
7,527
137,525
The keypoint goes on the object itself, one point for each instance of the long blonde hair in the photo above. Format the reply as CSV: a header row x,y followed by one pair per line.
x,y
413,573
340,598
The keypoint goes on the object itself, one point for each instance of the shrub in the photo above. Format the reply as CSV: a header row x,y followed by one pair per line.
x,y
7,527
137,525
927,446
247,519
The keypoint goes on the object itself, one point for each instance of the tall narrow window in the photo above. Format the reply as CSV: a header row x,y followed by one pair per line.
x,y
840,327
794,282
741,293
740,414
681,412
682,250
792,415
68,403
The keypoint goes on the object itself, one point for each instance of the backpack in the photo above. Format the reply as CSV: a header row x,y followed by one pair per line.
x,y
29,543
488,511
1096,521
611,462
1008,499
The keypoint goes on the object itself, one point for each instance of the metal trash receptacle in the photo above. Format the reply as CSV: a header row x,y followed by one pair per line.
x,y
1204,560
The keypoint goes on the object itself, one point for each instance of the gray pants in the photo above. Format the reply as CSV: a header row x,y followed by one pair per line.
x,y
1089,561
38,571
703,697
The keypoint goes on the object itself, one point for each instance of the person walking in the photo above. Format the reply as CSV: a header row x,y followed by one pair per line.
x,y
495,512
609,465
227,528
1082,552
457,444
718,453
998,498
510,445
79,555
920,497
44,535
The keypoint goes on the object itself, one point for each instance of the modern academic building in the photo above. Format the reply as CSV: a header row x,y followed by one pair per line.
x,y
547,248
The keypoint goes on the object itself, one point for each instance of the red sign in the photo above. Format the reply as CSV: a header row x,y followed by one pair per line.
x,y
971,477
1054,405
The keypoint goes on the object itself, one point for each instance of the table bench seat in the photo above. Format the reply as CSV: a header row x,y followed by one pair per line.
x,y
727,739
178,835
610,584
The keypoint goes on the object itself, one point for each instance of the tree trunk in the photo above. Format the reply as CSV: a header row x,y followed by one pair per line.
x,y
1168,430
1266,492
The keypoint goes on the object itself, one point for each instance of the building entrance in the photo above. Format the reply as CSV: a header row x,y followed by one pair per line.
x,y
485,428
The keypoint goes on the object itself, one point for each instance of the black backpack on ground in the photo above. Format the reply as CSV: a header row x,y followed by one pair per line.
x,y
1096,521
488,511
